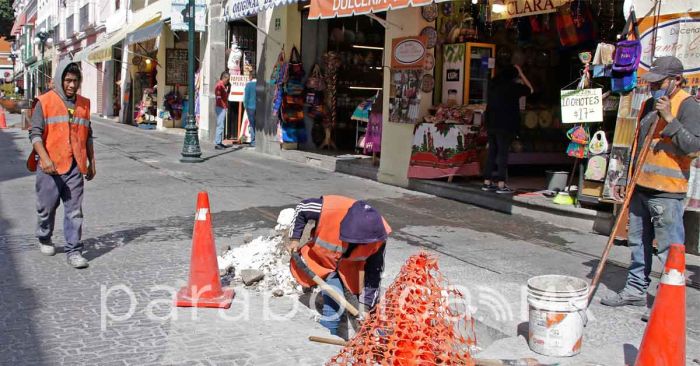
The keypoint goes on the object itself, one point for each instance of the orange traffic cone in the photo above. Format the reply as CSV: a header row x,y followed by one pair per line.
x,y
664,338
204,287
3,121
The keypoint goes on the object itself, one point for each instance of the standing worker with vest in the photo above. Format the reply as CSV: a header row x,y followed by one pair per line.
x,y
62,140
656,206
346,250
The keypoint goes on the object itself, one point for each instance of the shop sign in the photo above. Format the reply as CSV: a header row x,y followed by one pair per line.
x,y
676,35
345,8
237,9
582,105
237,87
179,19
521,8
408,52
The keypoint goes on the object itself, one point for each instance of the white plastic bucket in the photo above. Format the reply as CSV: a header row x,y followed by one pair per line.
x,y
557,314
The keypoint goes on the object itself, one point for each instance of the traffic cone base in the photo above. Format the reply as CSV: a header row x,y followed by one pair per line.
x,y
184,299
664,338
204,286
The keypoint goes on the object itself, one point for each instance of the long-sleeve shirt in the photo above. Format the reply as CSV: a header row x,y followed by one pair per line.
x,y
249,95
221,93
683,130
310,210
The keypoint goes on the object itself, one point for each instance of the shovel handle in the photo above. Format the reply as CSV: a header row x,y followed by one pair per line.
x,y
331,291
335,342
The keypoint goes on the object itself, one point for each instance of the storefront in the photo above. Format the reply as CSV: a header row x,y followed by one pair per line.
x,y
241,56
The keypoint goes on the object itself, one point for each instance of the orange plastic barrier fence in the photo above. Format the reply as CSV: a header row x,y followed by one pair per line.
x,y
421,320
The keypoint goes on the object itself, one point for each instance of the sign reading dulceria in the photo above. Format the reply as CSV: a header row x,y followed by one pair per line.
x,y
339,8
520,8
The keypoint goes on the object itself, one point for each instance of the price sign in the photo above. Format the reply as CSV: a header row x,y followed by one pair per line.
x,y
581,106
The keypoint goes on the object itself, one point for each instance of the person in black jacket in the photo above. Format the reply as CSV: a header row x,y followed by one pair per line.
x,y
503,123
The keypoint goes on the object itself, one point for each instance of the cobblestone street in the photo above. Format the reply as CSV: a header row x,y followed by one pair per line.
x,y
137,234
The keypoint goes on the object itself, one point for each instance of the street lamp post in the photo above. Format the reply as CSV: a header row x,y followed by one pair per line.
x,y
43,38
191,152
13,58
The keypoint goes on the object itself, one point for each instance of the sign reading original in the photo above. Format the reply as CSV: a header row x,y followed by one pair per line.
x,y
408,52
581,106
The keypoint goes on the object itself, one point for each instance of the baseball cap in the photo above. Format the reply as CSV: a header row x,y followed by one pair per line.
x,y
662,68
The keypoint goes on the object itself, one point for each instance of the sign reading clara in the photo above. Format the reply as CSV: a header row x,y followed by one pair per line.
x,y
581,106
520,8
408,52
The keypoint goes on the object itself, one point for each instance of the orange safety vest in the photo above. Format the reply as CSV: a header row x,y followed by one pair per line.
x,y
64,138
323,254
666,168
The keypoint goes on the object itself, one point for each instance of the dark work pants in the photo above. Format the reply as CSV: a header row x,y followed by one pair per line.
x,y
499,146
50,191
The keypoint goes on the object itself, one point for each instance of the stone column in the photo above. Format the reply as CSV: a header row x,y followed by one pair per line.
x,y
212,52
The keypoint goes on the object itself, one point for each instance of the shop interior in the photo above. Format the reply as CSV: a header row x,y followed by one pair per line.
x,y
240,60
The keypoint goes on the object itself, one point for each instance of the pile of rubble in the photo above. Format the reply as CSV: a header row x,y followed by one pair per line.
x,y
263,263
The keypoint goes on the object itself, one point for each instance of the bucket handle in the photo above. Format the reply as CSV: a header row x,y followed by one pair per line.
x,y
581,312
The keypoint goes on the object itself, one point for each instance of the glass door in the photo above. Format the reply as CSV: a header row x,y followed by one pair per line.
x,y
479,66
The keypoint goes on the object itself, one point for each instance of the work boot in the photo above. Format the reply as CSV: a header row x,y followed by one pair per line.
x,y
622,298
76,260
46,247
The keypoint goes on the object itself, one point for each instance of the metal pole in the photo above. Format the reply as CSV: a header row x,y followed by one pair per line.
x,y
191,152
41,68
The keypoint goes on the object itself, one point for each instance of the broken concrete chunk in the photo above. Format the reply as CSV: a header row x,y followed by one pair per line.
x,y
278,293
251,276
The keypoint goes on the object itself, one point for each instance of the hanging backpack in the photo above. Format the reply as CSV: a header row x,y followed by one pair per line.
x,y
578,147
628,52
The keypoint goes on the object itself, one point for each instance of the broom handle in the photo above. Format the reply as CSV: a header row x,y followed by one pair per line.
x,y
625,206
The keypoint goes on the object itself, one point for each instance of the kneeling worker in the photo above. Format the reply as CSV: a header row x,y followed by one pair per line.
x,y
346,249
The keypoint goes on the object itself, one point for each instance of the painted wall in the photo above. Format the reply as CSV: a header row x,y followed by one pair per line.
x,y
397,138
213,55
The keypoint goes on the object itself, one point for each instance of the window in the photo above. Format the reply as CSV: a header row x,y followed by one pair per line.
x,y
69,27
117,4
85,17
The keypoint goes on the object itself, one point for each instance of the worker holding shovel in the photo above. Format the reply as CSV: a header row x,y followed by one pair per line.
x,y
346,251
656,205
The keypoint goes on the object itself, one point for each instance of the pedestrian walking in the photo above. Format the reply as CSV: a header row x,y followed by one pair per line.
x,y
503,124
221,92
249,104
347,251
657,204
62,140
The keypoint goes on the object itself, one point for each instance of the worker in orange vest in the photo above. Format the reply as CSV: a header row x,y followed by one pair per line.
x,y
62,140
657,204
346,249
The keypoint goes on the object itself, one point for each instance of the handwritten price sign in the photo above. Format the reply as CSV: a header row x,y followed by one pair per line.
x,y
581,106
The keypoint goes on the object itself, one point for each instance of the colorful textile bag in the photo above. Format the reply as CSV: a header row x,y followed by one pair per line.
x,y
578,147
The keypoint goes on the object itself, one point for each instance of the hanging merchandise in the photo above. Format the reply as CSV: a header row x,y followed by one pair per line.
x,y
575,24
628,54
599,143
604,54
373,137
277,79
332,62
596,168
578,147
292,111
314,94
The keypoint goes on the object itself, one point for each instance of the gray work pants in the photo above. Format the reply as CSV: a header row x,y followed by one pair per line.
x,y
50,191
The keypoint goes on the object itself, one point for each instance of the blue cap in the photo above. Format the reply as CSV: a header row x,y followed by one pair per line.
x,y
362,225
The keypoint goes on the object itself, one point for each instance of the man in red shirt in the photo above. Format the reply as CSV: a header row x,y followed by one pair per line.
x,y
221,92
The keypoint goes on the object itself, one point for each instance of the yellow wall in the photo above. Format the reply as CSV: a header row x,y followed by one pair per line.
x,y
397,138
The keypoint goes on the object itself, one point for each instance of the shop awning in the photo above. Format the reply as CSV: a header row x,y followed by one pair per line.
x,y
82,55
237,9
19,22
104,52
144,33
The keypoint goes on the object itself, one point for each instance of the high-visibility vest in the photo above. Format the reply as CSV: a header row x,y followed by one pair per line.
x,y
324,253
666,168
64,138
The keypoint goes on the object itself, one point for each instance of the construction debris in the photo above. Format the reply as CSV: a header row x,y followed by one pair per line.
x,y
263,262
251,276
